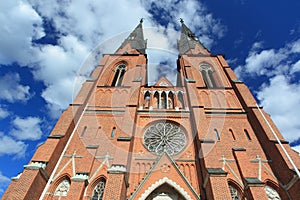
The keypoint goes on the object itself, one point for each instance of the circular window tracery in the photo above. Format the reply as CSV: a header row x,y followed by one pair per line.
x,y
164,136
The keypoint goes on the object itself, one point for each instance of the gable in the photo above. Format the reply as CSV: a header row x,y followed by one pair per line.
x,y
163,82
164,171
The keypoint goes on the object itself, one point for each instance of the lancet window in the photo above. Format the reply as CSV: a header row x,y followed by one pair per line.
x,y
147,99
247,134
119,75
163,99
207,74
235,194
63,188
99,190
271,193
217,135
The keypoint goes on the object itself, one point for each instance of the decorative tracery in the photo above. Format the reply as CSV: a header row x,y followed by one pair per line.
x,y
207,74
99,190
234,193
63,188
164,137
271,193
119,74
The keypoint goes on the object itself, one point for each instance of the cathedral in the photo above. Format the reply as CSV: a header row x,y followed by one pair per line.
x,y
202,137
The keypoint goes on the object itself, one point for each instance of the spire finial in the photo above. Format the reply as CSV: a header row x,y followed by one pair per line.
x,y
142,19
181,20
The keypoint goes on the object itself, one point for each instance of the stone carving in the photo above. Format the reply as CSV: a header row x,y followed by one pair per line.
x,y
164,137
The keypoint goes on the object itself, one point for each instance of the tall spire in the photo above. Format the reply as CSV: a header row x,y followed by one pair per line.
x,y
189,43
135,40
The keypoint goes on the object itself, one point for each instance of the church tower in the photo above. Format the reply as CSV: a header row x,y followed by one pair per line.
x,y
204,137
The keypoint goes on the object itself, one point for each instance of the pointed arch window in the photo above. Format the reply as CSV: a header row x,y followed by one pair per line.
x,y
113,132
247,134
99,190
272,193
217,135
163,100
170,100
232,134
63,188
156,100
208,76
235,194
147,99
119,75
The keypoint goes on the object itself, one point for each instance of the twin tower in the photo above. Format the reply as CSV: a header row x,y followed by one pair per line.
x,y
203,138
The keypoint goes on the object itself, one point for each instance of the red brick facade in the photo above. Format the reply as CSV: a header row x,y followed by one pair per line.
x,y
202,138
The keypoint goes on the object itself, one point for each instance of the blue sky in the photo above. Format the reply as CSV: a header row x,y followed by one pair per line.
x,y
45,44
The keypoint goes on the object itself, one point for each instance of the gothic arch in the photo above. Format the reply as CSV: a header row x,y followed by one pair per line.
x,y
231,100
222,99
161,182
59,183
118,75
208,75
94,183
205,98
235,185
155,99
269,184
214,99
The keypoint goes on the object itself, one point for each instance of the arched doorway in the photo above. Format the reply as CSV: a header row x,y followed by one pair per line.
x,y
165,192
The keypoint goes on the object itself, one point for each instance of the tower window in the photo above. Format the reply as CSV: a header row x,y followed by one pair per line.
x,y
207,74
217,134
99,190
232,134
119,75
83,131
247,134
63,188
156,100
113,131
170,100
147,99
163,100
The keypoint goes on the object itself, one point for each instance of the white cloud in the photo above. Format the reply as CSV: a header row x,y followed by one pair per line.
x,y
282,100
20,24
27,128
81,26
296,67
4,181
259,62
279,94
12,90
193,13
10,146
270,62
297,148
3,112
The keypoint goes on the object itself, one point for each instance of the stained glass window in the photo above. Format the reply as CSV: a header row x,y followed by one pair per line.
x,y
164,136
63,188
234,193
99,190
271,193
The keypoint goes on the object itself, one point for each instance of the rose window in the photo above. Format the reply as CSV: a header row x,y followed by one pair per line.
x,y
164,137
